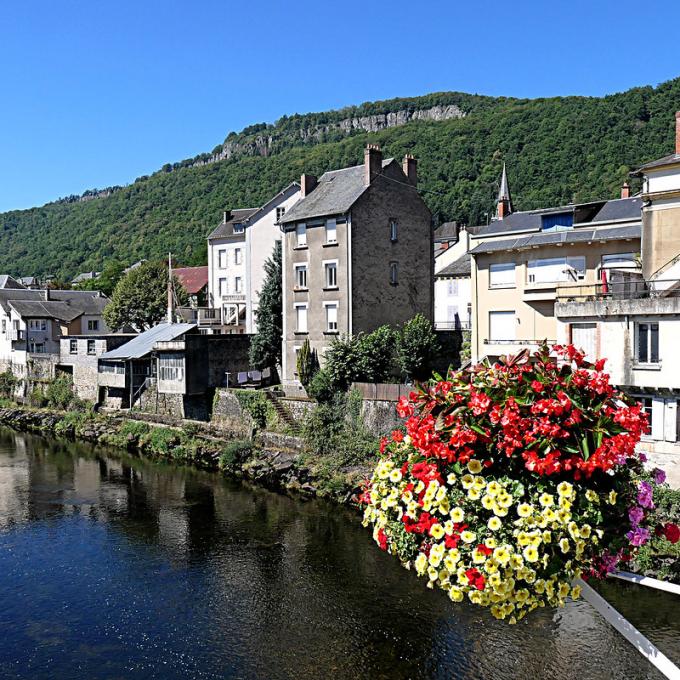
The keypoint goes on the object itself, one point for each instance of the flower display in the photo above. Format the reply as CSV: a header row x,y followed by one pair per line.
x,y
509,481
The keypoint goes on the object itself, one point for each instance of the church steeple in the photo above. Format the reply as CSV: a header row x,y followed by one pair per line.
x,y
504,203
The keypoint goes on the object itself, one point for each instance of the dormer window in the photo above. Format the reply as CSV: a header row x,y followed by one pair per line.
x,y
557,222
238,227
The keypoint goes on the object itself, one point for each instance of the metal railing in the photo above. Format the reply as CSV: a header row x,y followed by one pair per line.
x,y
452,325
619,290
519,342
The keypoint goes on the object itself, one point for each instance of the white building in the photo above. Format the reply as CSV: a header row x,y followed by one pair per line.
x,y
452,285
237,251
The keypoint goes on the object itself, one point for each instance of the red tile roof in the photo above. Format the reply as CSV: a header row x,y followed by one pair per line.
x,y
194,279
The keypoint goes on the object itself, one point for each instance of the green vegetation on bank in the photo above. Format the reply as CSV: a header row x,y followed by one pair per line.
x,y
557,150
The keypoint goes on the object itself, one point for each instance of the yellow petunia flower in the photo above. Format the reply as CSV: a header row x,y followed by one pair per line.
x,y
494,524
530,554
546,500
474,466
457,515
468,536
524,510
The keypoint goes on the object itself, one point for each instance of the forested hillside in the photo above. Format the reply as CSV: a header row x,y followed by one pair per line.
x,y
556,150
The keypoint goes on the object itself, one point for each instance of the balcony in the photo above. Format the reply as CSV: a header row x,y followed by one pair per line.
x,y
236,297
16,335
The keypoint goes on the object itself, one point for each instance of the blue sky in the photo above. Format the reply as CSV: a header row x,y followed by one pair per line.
x,y
97,93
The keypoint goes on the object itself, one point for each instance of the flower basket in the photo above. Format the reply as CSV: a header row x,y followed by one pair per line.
x,y
509,481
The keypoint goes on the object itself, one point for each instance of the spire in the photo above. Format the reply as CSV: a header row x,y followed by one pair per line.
x,y
504,203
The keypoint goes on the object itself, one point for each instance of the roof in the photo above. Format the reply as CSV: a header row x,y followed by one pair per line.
x,y
28,280
671,159
6,281
144,343
85,276
560,237
619,209
76,302
461,267
226,229
194,279
447,231
504,189
335,193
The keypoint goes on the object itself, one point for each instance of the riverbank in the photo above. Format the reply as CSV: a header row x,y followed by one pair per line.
x,y
275,461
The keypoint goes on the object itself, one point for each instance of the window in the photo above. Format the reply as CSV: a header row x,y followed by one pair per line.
x,y
619,261
647,339
280,212
502,275
452,318
93,325
116,368
301,276
394,273
91,348
238,228
393,230
556,269
331,317
222,259
171,367
237,256
584,337
301,233
331,274
73,347
558,222
301,318
331,231
452,287
502,326
223,286
4,325
37,324
37,347
238,286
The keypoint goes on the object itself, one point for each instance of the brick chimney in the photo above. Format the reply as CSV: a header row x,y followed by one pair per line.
x,y
410,168
372,163
677,132
625,190
307,184
226,216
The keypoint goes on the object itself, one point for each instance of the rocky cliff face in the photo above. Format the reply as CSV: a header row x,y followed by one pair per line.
x,y
265,144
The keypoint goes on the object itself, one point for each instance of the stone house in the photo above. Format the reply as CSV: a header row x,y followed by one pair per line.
x,y
357,254
522,262
237,251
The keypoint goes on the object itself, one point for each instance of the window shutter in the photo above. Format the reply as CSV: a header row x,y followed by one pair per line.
x,y
658,408
670,421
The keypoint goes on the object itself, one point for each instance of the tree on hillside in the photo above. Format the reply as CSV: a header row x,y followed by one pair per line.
x,y
265,347
107,279
140,298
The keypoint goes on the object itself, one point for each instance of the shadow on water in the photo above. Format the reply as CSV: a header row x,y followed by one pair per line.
x,y
114,567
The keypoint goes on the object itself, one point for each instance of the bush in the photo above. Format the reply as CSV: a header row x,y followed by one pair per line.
x,y
73,422
160,440
377,355
8,383
321,387
59,393
37,397
257,405
307,363
417,347
233,454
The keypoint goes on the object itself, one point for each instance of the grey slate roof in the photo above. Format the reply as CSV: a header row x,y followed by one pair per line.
x,y
620,209
81,302
671,159
461,267
336,192
226,229
447,231
142,345
562,237
7,281
39,309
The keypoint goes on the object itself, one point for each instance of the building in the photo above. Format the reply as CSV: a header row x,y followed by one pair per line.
x,y
452,284
170,369
7,281
79,359
237,251
632,316
85,276
523,261
357,254
195,282
32,323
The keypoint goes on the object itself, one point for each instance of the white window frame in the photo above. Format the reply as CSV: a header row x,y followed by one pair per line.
x,y
238,252
502,275
335,306
73,347
223,286
91,348
299,306
452,287
222,258
301,274
331,231
301,235
238,284
636,343
505,313
328,265
280,212
238,227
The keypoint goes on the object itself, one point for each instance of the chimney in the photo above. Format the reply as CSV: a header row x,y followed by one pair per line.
x,y
372,163
625,190
677,132
226,216
307,184
410,168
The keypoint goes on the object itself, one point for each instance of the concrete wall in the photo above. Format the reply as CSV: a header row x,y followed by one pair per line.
x,y
228,413
660,234
226,354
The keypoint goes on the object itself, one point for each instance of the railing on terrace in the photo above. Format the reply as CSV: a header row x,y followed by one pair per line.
x,y
518,342
452,325
620,290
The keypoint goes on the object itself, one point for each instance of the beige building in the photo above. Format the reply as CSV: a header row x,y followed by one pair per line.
x,y
523,261
633,319
357,254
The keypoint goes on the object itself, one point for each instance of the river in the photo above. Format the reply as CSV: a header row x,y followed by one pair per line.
x,y
114,567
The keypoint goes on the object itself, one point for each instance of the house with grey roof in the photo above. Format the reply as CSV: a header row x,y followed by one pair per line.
x,y
523,261
357,254
32,323
237,251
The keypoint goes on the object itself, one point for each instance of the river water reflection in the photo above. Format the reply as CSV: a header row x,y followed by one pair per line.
x,y
118,568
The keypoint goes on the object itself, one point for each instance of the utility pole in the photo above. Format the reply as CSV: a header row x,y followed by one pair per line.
x,y
170,294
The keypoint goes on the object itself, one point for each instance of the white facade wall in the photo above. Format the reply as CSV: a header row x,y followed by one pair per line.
x,y
452,303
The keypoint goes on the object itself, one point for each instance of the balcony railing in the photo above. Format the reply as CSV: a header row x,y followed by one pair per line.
x,y
518,342
15,335
237,297
620,290
452,325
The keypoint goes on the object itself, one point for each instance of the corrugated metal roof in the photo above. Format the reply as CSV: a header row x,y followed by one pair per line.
x,y
336,192
143,344
562,237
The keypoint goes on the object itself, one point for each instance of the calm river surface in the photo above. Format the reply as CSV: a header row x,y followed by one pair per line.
x,y
114,567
